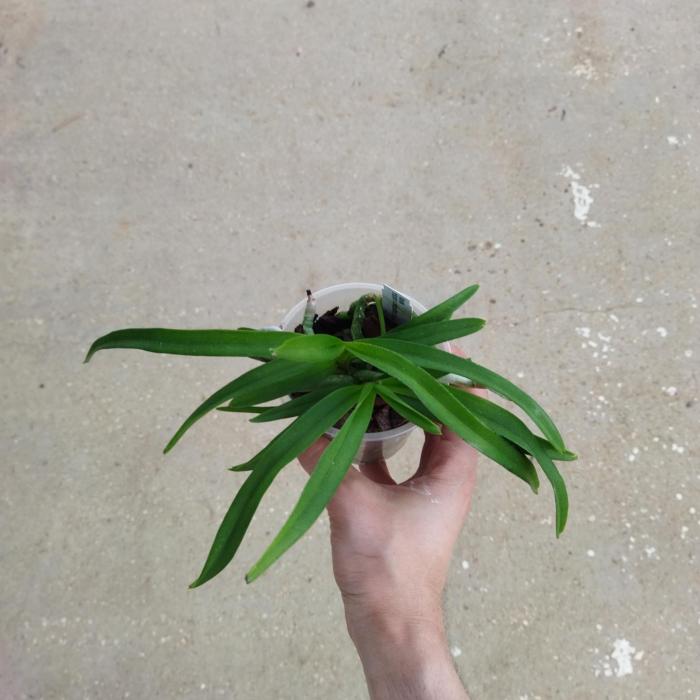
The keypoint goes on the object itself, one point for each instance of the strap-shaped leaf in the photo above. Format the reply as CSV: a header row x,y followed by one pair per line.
x,y
553,453
506,424
267,464
333,381
322,484
434,358
447,409
443,310
409,397
310,348
410,413
513,429
438,332
297,406
263,383
217,343
309,426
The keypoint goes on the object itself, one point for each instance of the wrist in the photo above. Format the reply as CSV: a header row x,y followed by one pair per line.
x,y
404,652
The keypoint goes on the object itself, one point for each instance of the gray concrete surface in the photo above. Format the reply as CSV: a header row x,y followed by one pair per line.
x,y
198,164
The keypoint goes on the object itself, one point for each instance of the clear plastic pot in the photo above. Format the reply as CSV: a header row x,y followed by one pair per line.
x,y
374,445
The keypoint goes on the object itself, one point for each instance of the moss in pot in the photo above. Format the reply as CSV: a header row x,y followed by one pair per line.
x,y
340,371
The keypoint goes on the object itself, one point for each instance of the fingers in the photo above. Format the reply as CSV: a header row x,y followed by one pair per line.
x,y
447,458
377,472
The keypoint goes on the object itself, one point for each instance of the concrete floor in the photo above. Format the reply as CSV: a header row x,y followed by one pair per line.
x,y
198,164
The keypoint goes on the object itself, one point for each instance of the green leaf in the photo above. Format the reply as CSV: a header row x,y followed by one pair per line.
x,y
296,406
263,383
407,411
322,484
443,310
409,397
509,426
434,358
553,453
218,343
268,463
309,426
438,332
332,381
310,348
447,409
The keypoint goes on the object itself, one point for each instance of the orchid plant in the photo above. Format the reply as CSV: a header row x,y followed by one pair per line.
x,y
336,376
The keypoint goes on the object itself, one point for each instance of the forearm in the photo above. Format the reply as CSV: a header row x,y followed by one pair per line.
x,y
405,657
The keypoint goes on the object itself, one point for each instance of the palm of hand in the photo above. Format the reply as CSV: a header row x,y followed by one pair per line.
x,y
392,542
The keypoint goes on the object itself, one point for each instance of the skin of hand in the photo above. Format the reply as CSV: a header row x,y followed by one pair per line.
x,y
391,545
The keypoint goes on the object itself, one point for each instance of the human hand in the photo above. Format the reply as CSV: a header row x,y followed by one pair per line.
x,y
392,544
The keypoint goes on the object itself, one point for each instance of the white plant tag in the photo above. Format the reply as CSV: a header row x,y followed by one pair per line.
x,y
396,306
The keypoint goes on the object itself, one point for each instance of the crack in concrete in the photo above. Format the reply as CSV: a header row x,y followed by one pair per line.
x,y
574,309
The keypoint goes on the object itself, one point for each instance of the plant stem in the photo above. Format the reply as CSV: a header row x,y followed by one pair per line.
x,y
309,314
380,314
358,316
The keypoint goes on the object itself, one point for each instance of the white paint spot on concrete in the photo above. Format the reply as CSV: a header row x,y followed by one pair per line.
x,y
679,496
582,201
584,332
590,553
672,140
662,331
622,653
688,353
670,390
465,564
677,448
582,196
456,651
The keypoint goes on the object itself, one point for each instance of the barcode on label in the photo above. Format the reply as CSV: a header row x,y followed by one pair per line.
x,y
396,306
